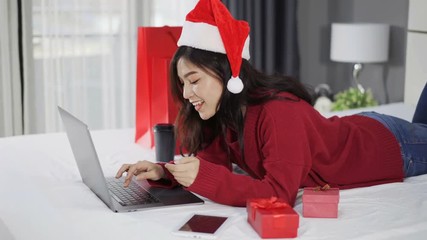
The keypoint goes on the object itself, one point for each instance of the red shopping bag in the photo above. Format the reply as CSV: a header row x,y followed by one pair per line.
x,y
154,104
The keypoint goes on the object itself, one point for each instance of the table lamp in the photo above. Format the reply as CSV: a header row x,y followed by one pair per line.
x,y
359,43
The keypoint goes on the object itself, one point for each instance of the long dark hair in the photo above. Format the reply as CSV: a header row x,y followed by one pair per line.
x,y
195,133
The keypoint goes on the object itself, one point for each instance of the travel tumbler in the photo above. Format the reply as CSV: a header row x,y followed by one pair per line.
x,y
164,142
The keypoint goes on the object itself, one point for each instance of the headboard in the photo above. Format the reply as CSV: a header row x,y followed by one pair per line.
x,y
416,51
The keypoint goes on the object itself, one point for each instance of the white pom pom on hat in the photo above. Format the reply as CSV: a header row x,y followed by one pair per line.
x,y
210,26
235,85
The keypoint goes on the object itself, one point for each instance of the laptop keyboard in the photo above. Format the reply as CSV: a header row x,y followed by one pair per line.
x,y
132,195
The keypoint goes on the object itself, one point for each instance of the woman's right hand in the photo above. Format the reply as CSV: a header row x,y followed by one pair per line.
x,y
141,170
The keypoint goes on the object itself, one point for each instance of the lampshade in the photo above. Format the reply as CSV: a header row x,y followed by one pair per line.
x,y
359,42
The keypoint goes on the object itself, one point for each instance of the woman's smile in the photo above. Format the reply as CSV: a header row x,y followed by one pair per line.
x,y
197,105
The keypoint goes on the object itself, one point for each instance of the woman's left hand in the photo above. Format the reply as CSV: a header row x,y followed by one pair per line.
x,y
185,170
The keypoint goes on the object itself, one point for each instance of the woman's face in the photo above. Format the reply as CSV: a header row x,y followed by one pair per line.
x,y
200,88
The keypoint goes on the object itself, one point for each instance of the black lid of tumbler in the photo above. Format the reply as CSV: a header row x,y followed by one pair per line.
x,y
163,127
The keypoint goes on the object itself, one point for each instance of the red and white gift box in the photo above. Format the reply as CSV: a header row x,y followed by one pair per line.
x,y
320,202
272,218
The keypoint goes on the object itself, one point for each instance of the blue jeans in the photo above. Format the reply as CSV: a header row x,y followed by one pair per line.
x,y
412,137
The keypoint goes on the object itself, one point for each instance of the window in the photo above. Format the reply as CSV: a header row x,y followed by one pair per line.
x,y
85,55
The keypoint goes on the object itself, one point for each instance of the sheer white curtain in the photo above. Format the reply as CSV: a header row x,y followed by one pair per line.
x,y
79,54
10,77
84,61
170,12
85,57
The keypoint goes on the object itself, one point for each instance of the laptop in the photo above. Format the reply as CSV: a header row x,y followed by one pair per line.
x,y
138,196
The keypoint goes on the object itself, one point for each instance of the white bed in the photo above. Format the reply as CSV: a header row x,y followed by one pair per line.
x,y
42,197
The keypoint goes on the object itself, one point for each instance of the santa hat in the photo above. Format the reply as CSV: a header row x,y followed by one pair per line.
x,y
210,26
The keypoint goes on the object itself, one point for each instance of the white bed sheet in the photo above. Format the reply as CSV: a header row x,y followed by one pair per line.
x,y
42,197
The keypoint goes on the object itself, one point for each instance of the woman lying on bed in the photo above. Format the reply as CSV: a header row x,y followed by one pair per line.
x,y
268,127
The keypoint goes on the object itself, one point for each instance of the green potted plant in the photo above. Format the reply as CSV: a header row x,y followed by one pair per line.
x,y
353,98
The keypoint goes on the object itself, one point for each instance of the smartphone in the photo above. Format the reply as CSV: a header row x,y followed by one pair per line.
x,y
202,226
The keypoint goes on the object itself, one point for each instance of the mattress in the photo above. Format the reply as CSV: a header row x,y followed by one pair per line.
x,y
42,197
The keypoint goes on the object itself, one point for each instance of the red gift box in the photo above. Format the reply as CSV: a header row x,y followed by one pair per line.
x,y
320,202
272,218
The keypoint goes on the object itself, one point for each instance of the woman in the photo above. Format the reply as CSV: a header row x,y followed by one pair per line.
x,y
268,127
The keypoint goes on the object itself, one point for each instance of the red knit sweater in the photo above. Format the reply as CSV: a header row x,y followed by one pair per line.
x,y
288,145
